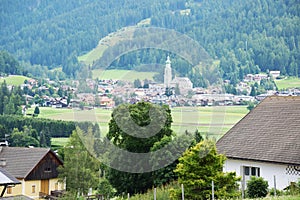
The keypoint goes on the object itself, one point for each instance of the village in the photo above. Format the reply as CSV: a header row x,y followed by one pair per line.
x,y
108,93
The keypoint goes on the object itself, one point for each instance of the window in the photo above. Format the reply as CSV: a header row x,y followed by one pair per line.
x,y
33,189
247,169
251,171
9,190
47,169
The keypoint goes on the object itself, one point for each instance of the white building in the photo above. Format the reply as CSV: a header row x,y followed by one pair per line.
x,y
275,74
183,83
266,143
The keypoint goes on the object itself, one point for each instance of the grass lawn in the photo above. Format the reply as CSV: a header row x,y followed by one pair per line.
x,y
51,113
214,121
14,80
128,75
290,82
59,142
164,193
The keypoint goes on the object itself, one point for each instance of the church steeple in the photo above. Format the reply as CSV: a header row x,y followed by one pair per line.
x,y
168,73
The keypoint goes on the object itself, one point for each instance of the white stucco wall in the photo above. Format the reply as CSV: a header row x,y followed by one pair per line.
x,y
267,171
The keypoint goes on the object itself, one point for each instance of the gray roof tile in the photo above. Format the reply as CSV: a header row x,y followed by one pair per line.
x,y
7,179
21,160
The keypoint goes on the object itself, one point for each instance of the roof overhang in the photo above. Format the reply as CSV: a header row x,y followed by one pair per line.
x,y
263,161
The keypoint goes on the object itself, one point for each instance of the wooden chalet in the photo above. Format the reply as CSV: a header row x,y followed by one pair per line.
x,y
34,168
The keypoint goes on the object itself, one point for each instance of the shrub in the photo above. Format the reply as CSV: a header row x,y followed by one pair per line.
x,y
257,187
278,192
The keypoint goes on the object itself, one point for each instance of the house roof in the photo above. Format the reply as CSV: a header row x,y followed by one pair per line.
x,y
7,179
20,161
270,133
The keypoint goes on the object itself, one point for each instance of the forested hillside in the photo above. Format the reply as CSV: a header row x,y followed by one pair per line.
x,y
246,36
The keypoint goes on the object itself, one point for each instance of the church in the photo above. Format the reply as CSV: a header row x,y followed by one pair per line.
x,y
183,83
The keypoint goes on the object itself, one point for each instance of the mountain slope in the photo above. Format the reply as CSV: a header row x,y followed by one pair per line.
x,y
246,36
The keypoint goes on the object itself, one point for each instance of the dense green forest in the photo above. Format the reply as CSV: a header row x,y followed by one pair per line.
x,y
246,36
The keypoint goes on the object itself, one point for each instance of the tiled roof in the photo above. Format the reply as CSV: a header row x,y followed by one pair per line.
x,y
21,160
270,132
6,178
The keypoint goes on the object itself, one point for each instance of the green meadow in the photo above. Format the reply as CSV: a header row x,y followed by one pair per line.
x,y
57,143
213,121
14,80
289,82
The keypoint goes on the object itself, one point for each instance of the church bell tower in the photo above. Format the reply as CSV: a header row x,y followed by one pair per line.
x,y
168,73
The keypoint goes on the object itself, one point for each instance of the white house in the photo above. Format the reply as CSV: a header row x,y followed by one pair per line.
x,y
275,74
266,143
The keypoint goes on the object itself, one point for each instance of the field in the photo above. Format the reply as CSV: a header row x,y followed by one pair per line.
x,y
128,75
14,80
57,143
213,121
290,82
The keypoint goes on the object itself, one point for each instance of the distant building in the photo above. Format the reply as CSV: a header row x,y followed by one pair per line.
x,y
274,74
183,83
255,77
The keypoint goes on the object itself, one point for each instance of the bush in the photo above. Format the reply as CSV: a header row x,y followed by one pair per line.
x,y
105,188
278,192
257,187
293,189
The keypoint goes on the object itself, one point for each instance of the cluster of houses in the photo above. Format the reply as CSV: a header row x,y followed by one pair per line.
x,y
105,92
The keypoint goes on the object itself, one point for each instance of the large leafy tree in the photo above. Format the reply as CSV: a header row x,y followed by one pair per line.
x,y
118,134
175,147
198,167
81,169
23,139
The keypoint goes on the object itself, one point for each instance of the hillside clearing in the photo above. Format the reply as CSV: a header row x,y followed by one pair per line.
x,y
113,38
15,80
